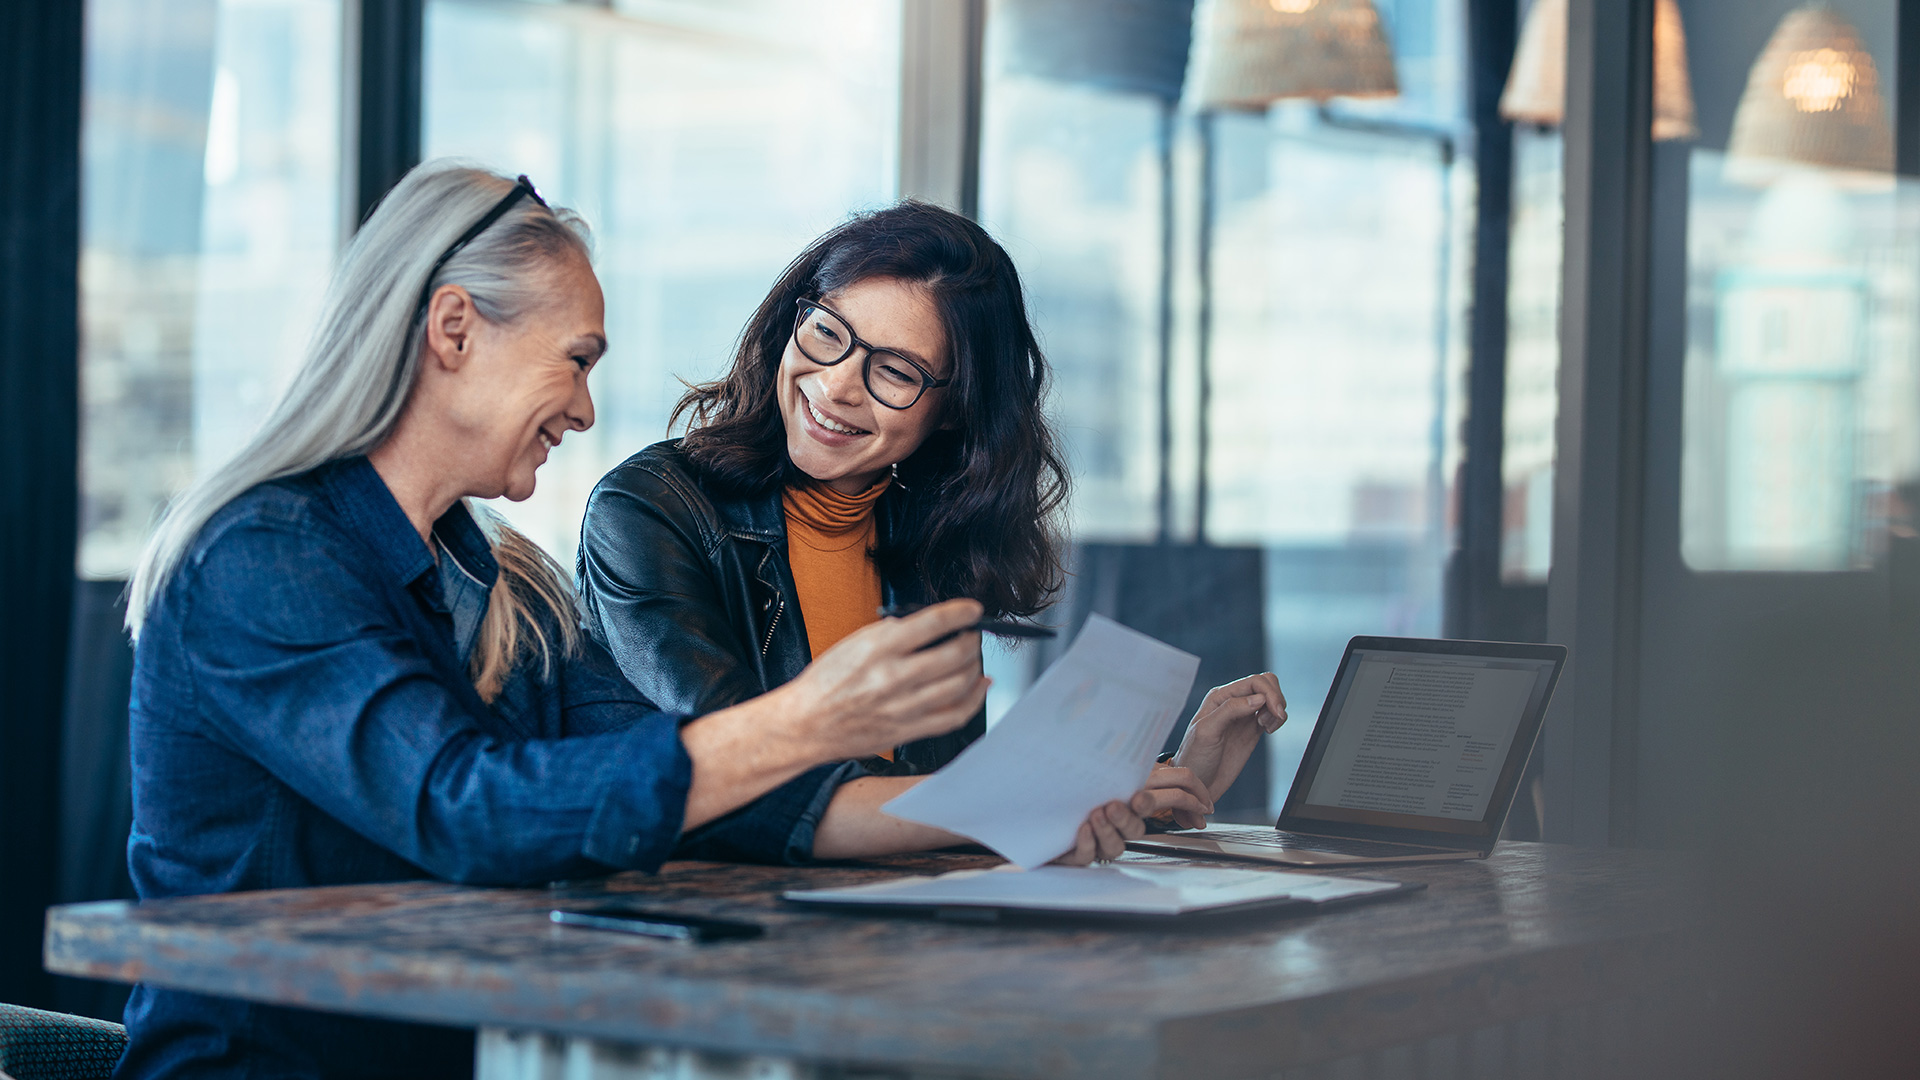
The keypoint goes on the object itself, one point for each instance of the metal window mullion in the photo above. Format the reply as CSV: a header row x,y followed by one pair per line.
x,y
941,48
1207,124
385,62
1166,132
1474,578
1906,98
1593,591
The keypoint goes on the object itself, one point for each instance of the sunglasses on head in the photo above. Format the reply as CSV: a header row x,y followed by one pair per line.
x,y
521,188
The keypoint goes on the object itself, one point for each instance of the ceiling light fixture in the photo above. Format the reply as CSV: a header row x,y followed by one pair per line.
x,y
1536,90
1812,98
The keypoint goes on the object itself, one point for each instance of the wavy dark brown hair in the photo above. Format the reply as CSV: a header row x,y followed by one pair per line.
x,y
984,492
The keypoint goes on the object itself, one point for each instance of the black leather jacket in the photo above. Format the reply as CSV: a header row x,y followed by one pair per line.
x,y
691,591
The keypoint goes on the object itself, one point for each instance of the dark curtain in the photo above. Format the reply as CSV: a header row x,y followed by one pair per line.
x,y
96,783
40,42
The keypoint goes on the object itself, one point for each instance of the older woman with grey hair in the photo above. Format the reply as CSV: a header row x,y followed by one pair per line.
x,y
343,672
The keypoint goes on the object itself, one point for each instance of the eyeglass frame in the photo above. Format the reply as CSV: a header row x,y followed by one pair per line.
x,y
521,187
927,380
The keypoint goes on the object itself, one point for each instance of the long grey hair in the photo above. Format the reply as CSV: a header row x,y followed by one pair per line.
x,y
350,390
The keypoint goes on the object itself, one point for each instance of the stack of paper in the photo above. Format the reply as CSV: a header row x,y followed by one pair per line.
x,y
1108,890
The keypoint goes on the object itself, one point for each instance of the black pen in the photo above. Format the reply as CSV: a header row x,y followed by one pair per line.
x,y
1000,627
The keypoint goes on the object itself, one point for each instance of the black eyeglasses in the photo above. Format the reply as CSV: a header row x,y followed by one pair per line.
x,y
523,187
825,338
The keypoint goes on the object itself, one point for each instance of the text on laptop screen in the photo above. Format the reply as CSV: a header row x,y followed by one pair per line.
x,y
1421,734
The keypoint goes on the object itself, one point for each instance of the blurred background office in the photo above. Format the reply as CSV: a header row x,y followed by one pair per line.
x,y
1521,319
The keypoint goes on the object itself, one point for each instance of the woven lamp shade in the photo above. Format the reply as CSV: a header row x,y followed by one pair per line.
x,y
1813,98
1251,53
1536,91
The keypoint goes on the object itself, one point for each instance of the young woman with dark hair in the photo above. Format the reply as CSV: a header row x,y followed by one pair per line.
x,y
879,439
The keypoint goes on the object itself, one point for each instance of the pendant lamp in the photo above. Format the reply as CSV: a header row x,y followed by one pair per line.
x,y
1251,53
1536,91
1812,98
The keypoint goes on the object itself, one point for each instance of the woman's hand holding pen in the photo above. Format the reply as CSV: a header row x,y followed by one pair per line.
x,y
881,686
885,684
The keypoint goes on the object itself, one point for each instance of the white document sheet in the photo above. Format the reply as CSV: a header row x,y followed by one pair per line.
x,y
1085,733
1120,889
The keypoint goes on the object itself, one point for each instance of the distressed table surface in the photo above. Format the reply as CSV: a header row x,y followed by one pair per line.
x,y
1536,928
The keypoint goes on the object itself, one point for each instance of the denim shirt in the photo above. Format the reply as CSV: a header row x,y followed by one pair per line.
x,y
302,715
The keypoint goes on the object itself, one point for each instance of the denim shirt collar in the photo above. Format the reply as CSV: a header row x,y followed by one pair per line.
x,y
364,499
462,541
464,593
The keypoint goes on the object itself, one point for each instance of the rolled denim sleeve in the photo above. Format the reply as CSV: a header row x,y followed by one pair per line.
x,y
323,687
778,827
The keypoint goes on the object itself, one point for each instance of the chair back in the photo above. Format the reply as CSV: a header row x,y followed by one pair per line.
x,y
37,1045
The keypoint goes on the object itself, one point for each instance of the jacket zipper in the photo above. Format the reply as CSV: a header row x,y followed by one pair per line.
x,y
778,603
779,606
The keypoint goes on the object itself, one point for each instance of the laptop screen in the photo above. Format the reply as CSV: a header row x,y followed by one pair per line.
x,y
1426,735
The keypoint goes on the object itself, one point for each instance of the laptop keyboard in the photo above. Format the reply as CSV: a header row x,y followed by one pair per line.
x,y
1331,845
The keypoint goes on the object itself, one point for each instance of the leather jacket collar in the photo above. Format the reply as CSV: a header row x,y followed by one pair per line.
x,y
762,517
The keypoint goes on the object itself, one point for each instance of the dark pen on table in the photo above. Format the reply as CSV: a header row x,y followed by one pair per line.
x,y
1000,627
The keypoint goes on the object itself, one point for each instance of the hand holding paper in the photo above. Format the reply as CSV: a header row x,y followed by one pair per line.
x,y
1084,734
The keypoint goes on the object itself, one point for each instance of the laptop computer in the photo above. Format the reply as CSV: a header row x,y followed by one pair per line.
x,y
1416,758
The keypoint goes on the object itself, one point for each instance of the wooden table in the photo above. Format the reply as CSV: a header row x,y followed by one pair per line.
x,y
1541,961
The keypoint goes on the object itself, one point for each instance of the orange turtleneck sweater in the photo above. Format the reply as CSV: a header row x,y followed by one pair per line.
x,y
830,540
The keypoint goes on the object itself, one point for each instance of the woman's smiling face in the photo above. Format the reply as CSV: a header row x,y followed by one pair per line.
x,y
520,387
836,432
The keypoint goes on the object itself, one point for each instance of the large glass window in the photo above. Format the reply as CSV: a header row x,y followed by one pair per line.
x,y
1072,187
706,143
1338,357
1801,400
210,217
1326,415
1802,404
